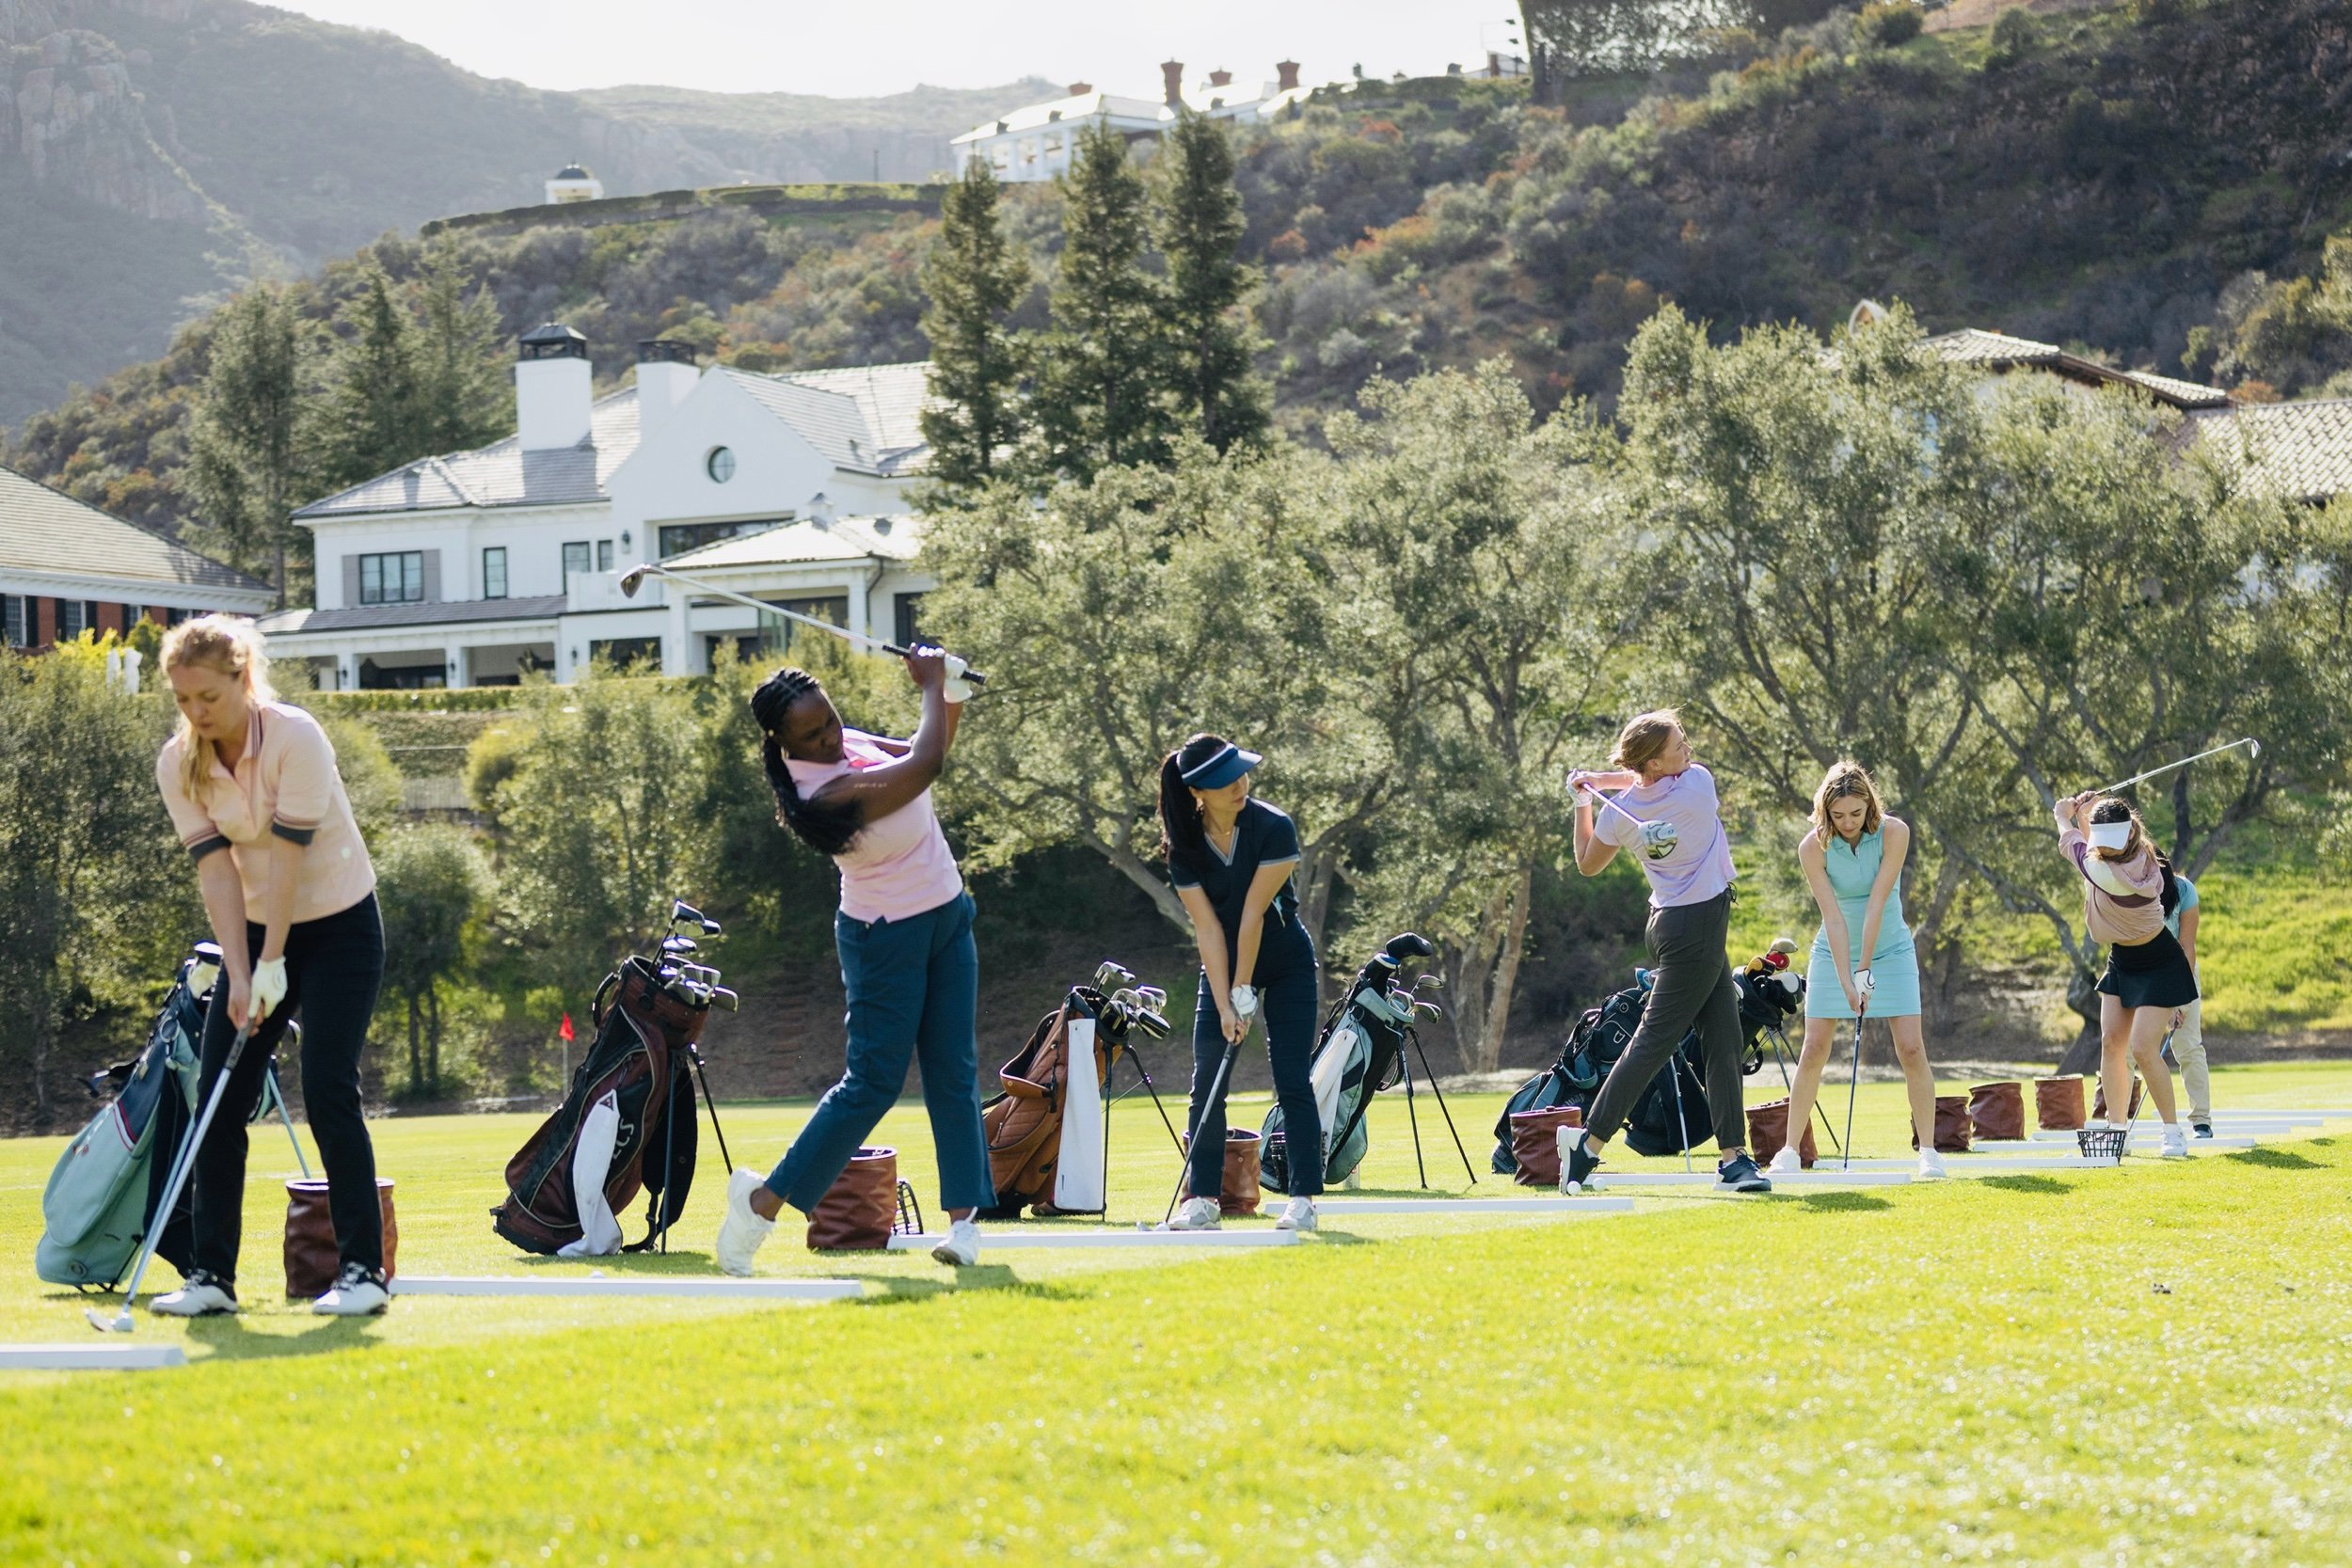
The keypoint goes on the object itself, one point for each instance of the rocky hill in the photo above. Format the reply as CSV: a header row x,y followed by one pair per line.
x,y
157,153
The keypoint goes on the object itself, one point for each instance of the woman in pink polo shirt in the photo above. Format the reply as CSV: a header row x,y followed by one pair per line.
x,y
251,786
904,932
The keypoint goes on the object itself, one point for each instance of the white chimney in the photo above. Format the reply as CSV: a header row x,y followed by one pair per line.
x,y
554,387
665,374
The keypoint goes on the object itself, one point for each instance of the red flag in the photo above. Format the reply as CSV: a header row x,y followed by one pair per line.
x,y
563,1030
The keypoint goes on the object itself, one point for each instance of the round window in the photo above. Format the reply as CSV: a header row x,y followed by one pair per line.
x,y
719,465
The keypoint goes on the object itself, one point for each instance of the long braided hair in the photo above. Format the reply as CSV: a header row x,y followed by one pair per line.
x,y
825,826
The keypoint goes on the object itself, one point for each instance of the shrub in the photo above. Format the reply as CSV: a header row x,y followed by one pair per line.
x,y
1890,24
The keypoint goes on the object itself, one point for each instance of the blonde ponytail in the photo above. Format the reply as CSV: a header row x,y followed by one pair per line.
x,y
232,646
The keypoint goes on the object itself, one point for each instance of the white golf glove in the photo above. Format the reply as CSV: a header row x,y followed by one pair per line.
x,y
1245,1003
269,988
957,689
1862,981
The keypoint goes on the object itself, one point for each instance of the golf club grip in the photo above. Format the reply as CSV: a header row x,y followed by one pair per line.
x,y
972,675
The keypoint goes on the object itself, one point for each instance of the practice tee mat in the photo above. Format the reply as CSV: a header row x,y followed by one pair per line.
x,y
649,1285
1530,1203
112,1357
1006,1237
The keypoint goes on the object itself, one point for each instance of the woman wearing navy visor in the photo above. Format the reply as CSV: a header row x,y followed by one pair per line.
x,y
1231,859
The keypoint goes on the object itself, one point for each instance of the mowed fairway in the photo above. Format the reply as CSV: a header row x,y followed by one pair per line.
x,y
2145,1365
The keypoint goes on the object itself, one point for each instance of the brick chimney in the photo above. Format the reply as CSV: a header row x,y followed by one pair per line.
x,y
1287,70
1079,90
1172,75
1220,78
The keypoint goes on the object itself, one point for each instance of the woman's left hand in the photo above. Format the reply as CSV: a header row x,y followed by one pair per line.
x,y
927,666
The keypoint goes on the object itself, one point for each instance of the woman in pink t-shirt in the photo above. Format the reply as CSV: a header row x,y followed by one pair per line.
x,y
904,931
252,789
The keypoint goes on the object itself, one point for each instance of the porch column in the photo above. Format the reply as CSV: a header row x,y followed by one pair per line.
x,y
460,666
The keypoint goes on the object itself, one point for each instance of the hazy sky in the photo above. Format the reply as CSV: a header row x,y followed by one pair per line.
x,y
846,50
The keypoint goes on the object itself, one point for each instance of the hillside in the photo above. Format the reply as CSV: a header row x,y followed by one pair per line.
x,y
157,153
2096,179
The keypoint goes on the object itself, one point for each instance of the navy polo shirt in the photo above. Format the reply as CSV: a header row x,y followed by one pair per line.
x,y
1263,836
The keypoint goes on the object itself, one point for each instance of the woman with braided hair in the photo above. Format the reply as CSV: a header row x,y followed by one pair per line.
x,y
904,932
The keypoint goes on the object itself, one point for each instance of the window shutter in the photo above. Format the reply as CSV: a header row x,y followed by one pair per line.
x,y
433,577
351,582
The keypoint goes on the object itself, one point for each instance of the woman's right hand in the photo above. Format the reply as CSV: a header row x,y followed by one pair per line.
x,y
1231,1023
1854,996
240,998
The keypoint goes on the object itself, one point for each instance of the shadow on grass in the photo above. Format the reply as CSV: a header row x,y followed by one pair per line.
x,y
2023,1183
2273,1158
232,1340
1842,1202
896,1288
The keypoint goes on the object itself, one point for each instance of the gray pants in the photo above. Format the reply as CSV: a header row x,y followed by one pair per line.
x,y
1691,984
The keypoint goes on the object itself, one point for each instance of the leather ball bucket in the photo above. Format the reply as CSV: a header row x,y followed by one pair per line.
x,y
1536,1143
862,1208
2099,1103
1241,1192
312,1259
1768,1134
1997,1111
1951,1125
2058,1103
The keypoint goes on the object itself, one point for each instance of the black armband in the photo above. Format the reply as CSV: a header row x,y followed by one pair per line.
x,y
294,835
205,846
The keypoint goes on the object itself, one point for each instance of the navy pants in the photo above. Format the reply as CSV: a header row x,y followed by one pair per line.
x,y
915,992
334,968
1288,1004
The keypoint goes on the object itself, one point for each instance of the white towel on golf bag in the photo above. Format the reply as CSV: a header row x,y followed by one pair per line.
x,y
592,1161
1330,1069
1078,1178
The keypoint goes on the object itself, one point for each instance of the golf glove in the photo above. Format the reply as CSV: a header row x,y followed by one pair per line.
x,y
1245,1003
957,689
1862,981
269,988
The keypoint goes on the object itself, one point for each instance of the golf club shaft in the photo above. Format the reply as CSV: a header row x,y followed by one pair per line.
x,y
1853,1086
2153,772
1215,1099
186,1164
860,639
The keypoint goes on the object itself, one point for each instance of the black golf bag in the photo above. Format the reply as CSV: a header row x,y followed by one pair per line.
x,y
632,1098
1359,1052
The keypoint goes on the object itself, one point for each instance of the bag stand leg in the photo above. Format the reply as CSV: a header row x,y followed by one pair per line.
x,y
1432,1077
695,1058
122,1323
1216,1098
1780,1055
287,1116
1145,1073
1674,1078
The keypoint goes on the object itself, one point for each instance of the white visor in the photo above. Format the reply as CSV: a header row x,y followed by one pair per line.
x,y
2109,835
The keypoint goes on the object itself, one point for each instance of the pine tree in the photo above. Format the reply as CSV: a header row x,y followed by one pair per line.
x,y
466,395
373,417
242,457
1101,399
1209,346
974,281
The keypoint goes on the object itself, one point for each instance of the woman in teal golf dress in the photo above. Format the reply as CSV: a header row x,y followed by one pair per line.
x,y
1862,961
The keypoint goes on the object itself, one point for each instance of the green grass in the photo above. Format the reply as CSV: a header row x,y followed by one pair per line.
x,y
1984,1370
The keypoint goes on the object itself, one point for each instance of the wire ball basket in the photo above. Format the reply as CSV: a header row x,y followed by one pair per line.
x,y
2103,1145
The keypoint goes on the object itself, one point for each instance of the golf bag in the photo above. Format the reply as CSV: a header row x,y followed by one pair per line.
x,y
102,1195
1360,1053
1024,1124
1593,1047
628,1116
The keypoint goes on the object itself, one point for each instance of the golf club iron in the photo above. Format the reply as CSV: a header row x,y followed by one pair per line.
x,y
122,1323
635,577
1853,1085
2253,752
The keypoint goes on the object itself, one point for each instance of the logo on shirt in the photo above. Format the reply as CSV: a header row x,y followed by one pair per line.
x,y
1658,839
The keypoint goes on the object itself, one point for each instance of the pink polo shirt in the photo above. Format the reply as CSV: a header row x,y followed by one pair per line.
x,y
897,865
285,782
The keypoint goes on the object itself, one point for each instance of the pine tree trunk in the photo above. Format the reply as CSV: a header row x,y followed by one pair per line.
x,y
416,1055
433,1037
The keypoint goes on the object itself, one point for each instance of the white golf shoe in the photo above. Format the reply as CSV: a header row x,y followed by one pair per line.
x,y
1196,1214
1297,1215
2175,1142
1930,1167
742,1233
1787,1162
358,1292
203,1295
960,1247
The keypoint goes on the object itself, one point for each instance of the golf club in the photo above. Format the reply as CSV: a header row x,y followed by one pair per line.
x,y
2253,749
635,577
1853,1084
122,1323
1216,1098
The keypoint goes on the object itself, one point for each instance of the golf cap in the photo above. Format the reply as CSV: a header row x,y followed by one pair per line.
x,y
1222,769
2109,835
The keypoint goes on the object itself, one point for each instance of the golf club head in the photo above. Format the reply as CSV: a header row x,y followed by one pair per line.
x,y
120,1323
679,944
684,913
725,998
1108,975
1431,981
1429,1007
1152,997
2253,747
632,580
1151,1023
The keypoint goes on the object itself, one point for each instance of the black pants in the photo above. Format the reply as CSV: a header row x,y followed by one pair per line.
x,y
1288,1003
334,968
1691,984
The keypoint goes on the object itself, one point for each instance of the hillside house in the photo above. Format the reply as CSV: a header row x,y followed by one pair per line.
x,y
574,183
1035,143
66,567
477,567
